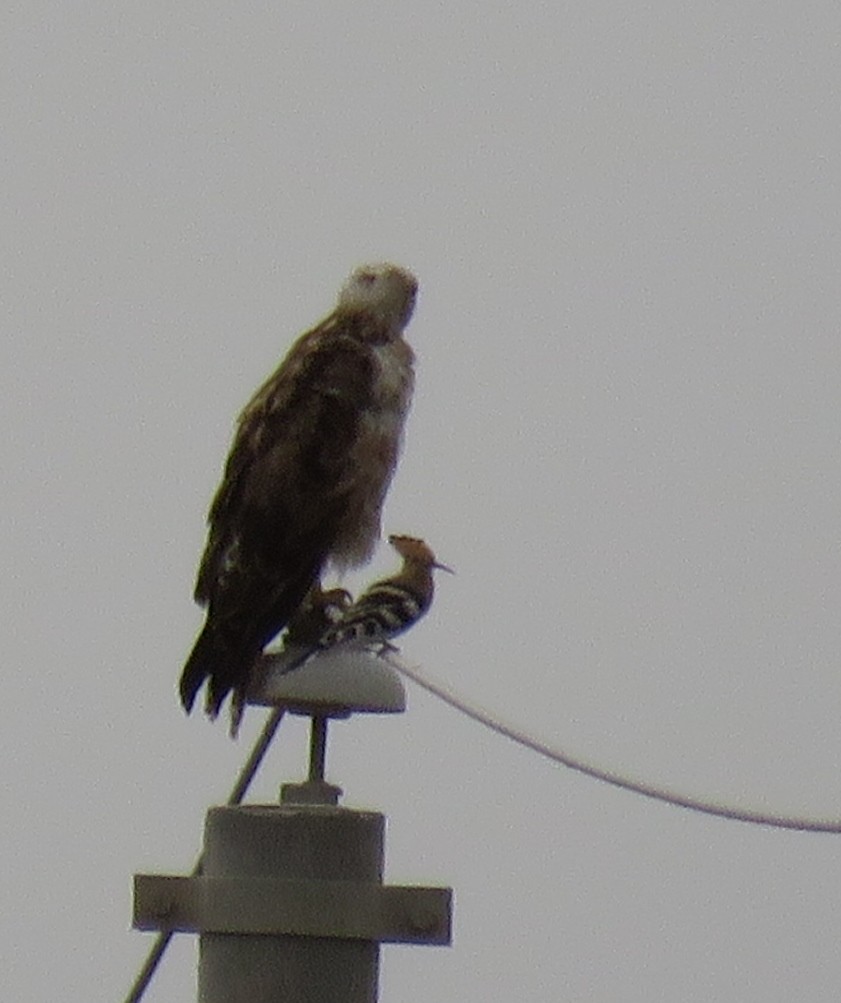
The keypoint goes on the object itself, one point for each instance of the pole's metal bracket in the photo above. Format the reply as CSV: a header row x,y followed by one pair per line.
x,y
240,905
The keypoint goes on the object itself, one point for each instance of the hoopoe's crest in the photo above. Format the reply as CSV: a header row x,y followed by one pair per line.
x,y
393,605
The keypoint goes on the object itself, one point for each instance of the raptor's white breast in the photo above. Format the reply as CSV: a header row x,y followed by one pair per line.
x,y
374,455
394,383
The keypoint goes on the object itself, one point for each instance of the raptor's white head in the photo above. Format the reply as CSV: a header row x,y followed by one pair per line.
x,y
385,291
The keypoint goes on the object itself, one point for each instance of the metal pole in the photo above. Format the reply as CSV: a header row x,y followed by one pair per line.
x,y
318,749
294,843
290,905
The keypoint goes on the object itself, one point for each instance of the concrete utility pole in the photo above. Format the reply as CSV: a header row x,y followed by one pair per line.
x,y
290,904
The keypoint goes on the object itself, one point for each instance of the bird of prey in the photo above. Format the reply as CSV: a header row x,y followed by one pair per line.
x,y
311,462
391,606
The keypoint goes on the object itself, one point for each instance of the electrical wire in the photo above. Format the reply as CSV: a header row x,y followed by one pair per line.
x,y
655,791
238,792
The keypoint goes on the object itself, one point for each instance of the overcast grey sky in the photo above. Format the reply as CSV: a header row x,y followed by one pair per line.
x,y
625,222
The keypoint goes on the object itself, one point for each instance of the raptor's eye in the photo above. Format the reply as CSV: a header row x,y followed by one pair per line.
x,y
367,278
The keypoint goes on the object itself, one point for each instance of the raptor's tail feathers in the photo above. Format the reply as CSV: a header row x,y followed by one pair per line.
x,y
199,666
213,660
227,648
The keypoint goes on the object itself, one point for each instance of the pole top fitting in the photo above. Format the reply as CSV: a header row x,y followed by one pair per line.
x,y
337,682
311,792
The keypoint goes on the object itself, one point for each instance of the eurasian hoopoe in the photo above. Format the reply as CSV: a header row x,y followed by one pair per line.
x,y
393,605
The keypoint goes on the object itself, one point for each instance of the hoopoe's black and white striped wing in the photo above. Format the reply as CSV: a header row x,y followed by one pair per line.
x,y
384,611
